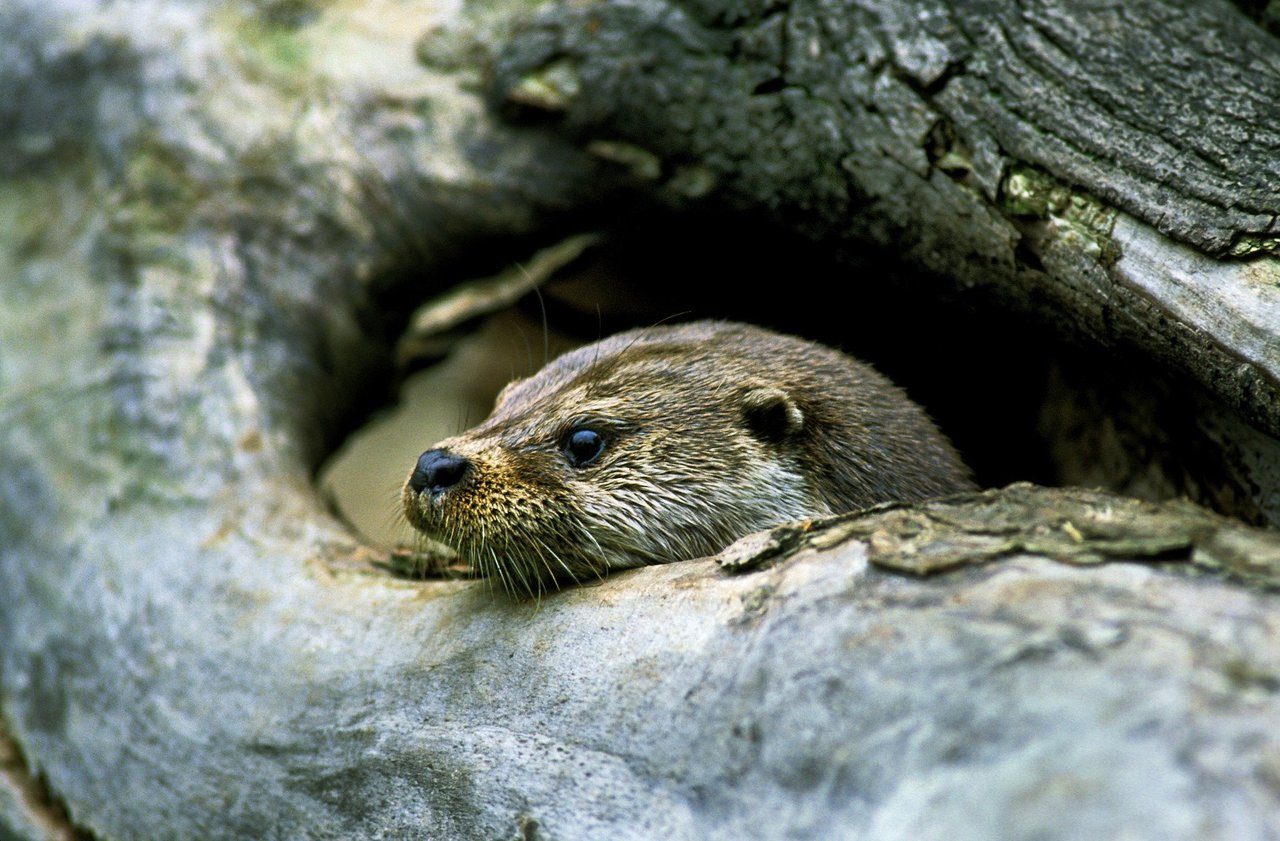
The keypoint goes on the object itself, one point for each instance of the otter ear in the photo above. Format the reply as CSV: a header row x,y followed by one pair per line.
x,y
771,414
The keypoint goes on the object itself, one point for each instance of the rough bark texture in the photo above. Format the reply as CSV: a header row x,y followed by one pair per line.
x,y
201,211
1112,168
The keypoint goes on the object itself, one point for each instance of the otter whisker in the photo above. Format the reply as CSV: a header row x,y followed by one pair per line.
x,y
665,443
597,563
541,545
538,547
519,568
498,567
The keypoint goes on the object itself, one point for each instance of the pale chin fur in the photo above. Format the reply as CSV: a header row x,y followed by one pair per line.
x,y
687,531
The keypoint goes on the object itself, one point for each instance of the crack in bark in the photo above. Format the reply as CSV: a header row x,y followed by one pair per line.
x,y
1066,525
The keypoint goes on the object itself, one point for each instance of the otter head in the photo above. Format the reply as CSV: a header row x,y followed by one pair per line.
x,y
650,446
668,443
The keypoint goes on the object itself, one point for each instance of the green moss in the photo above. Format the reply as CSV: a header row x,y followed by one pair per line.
x,y
1033,194
1090,214
550,88
1251,245
27,206
271,47
159,194
642,163
1028,192
283,50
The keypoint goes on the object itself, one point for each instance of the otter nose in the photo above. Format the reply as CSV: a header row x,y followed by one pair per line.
x,y
438,470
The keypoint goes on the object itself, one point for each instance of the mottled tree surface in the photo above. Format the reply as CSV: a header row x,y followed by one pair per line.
x,y
206,214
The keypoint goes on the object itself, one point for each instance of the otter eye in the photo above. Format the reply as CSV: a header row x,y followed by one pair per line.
x,y
582,446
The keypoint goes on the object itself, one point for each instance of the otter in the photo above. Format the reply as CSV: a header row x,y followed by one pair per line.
x,y
669,443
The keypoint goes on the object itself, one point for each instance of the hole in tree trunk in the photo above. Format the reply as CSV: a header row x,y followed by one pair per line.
x,y
1018,402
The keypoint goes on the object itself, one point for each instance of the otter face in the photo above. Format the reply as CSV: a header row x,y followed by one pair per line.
x,y
644,448
669,443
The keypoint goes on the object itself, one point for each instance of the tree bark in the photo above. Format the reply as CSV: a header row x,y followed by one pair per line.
x,y
1111,169
210,212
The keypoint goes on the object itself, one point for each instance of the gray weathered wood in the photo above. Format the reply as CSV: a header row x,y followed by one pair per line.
x,y
201,207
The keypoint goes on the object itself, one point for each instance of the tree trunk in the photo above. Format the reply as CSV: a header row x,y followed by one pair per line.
x,y
214,216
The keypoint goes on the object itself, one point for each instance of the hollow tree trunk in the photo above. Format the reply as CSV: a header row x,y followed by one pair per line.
x,y
209,211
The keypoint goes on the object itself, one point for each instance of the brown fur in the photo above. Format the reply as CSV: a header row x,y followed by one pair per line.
x,y
712,430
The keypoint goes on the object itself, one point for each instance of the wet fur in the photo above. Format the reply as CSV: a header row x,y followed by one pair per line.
x,y
713,430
